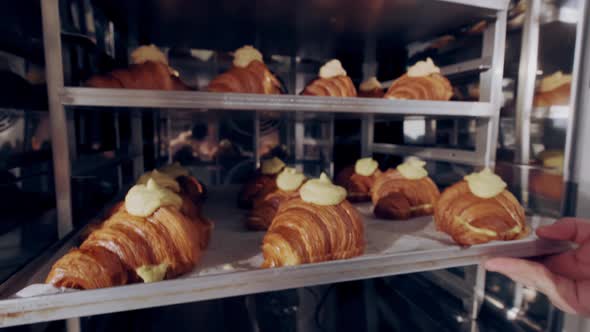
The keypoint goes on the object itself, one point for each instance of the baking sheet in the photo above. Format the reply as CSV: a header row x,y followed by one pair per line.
x,y
233,248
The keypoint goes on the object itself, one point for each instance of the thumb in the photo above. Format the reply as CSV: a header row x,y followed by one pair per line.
x,y
567,229
561,291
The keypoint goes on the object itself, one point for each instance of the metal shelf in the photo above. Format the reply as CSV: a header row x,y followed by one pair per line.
x,y
230,266
279,103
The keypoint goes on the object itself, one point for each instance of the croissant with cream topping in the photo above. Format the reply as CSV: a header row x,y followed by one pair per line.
x,y
262,184
397,197
423,81
320,226
332,82
404,192
248,74
126,243
157,233
149,70
480,211
359,179
265,208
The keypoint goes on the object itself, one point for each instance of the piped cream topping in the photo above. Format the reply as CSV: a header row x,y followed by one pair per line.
x,y
413,169
152,273
272,166
289,179
322,192
485,184
370,84
554,81
246,54
366,166
148,53
423,68
331,69
144,199
174,170
163,180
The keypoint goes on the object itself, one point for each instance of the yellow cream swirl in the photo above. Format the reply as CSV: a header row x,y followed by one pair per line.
x,y
289,179
152,273
322,192
366,166
162,179
174,170
146,53
272,166
331,69
246,54
485,184
423,68
144,199
413,169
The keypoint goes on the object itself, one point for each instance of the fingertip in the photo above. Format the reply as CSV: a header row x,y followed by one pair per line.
x,y
495,264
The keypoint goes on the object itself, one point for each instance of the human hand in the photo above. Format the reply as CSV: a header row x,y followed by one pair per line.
x,y
564,278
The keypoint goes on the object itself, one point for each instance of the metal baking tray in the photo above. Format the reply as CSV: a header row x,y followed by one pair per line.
x,y
230,266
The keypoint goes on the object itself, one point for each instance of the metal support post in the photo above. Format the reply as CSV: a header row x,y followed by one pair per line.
x,y
299,137
527,75
577,159
57,115
137,143
494,40
367,135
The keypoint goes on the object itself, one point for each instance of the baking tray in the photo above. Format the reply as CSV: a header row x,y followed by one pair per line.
x,y
230,266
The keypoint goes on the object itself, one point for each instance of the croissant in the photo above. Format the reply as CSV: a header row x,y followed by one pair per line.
x,y
254,78
125,242
358,186
304,233
469,219
558,96
149,75
256,188
339,86
265,209
431,87
396,197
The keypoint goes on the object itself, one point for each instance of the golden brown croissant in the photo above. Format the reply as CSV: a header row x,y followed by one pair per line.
x,y
254,78
88,268
165,237
558,96
256,188
358,186
431,87
265,209
304,233
339,86
396,197
469,219
149,75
